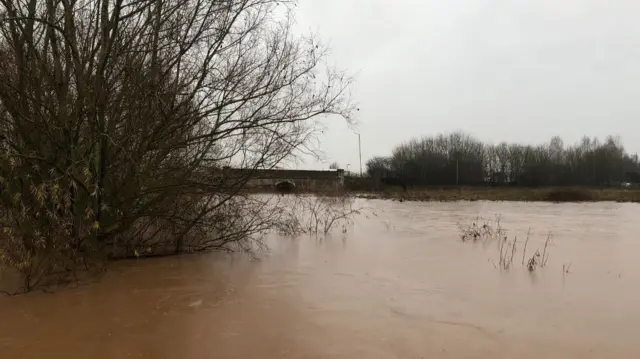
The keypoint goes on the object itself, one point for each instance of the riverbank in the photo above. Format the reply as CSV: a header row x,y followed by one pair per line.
x,y
579,194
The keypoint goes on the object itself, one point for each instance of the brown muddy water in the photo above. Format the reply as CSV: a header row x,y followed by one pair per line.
x,y
400,285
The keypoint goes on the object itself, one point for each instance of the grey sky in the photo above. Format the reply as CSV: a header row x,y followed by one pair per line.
x,y
513,70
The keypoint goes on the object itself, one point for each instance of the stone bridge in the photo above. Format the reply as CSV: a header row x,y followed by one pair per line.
x,y
303,179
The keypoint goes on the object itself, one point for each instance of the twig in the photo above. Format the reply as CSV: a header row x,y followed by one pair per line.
x,y
502,252
545,255
524,252
513,250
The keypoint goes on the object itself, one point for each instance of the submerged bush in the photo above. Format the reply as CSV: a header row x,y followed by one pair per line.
x,y
117,120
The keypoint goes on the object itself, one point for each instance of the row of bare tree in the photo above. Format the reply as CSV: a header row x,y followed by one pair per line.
x,y
116,117
461,159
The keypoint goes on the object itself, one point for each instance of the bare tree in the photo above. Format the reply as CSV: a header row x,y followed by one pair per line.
x,y
459,158
378,166
117,119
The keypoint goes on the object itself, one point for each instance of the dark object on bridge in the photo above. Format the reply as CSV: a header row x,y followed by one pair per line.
x,y
285,186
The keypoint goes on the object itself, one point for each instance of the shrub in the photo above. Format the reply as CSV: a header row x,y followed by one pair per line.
x,y
117,120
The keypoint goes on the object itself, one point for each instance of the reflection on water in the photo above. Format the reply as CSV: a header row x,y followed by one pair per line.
x,y
402,285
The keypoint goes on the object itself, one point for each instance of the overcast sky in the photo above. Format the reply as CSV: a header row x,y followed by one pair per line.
x,y
500,70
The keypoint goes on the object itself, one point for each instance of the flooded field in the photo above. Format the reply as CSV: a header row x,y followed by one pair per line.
x,y
401,284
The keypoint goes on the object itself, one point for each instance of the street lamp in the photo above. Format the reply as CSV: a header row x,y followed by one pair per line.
x,y
359,152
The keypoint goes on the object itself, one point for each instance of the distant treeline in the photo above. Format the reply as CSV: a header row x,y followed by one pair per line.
x,y
459,159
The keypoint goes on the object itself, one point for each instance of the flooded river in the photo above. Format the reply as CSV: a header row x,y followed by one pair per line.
x,y
401,284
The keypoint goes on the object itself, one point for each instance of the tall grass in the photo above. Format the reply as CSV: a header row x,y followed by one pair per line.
x,y
491,231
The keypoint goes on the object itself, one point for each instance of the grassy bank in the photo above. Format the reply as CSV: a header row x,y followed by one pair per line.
x,y
579,194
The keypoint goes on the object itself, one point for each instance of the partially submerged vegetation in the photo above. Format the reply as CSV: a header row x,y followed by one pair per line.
x,y
313,214
117,120
491,232
239,225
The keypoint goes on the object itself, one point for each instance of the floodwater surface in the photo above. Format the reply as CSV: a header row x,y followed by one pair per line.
x,y
401,284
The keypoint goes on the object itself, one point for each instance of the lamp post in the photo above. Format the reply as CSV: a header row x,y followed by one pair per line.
x,y
360,152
